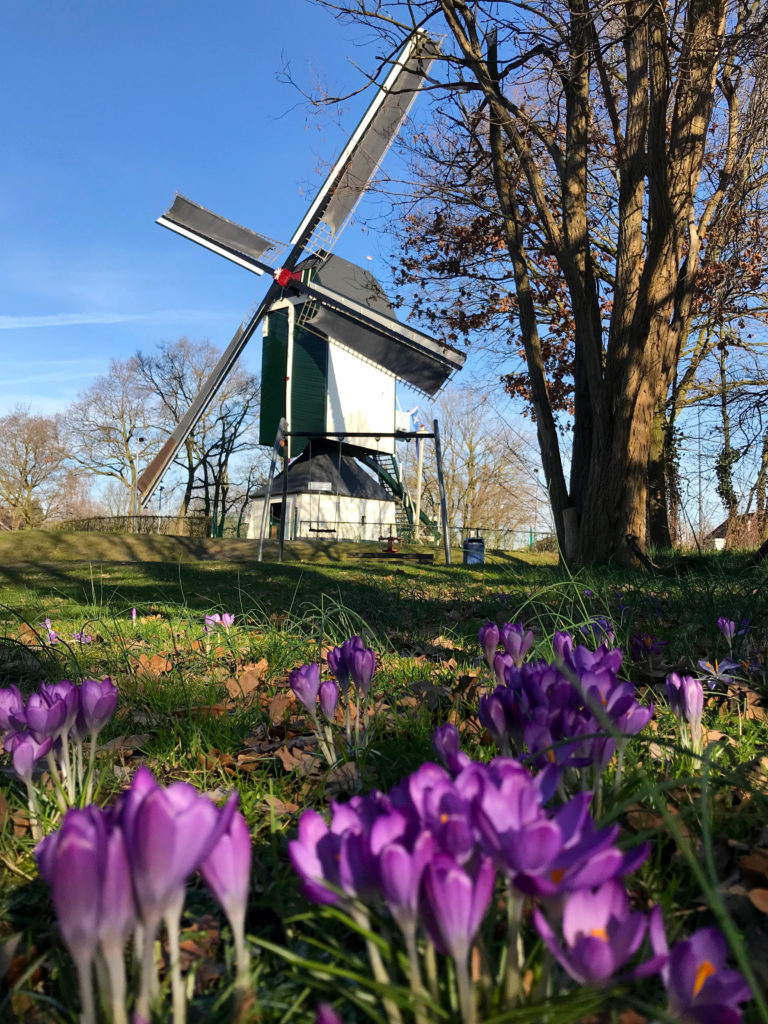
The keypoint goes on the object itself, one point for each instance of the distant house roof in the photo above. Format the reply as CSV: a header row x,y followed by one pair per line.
x,y
327,472
746,525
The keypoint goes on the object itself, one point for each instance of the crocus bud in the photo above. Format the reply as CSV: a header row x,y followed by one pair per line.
x,y
329,698
305,683
489,641
72,863
727,627
227,620
517,642
227,868
25,750
327,1015
98,700
211,621
362,668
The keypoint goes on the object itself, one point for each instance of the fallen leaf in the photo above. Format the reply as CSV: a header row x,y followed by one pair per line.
x,y
754,866
250,678
124,744
280,807
155,666
759,898
299,761
279,705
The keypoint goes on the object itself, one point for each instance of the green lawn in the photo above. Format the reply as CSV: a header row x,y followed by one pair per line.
x,y
182,711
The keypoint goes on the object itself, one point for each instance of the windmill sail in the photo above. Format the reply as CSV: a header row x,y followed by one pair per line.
x,y
254,251
319,228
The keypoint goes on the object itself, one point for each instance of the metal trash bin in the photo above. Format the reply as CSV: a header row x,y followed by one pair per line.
x,y
474,551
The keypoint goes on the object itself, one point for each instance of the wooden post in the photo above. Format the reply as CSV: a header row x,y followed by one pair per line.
x,y
279,438
443,503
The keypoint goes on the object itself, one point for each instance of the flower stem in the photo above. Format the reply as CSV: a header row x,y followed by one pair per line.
x,y
149,986
466,1000
91,764
35,824
113,958
61,796
172,922
380,972
514,950
83,966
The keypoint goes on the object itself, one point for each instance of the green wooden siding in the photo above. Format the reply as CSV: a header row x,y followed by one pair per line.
x,y
309,386
274,361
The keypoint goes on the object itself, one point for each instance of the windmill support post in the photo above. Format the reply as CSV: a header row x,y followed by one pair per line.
x,y
279,440
419,473
441,486
284,507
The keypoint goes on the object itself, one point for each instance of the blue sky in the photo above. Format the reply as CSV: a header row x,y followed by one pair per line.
x,y
110,107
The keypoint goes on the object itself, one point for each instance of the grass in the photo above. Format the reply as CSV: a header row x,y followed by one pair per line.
x,y
180,712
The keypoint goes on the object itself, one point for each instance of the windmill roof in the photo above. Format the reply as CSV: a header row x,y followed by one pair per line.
x,y
411,355
344,475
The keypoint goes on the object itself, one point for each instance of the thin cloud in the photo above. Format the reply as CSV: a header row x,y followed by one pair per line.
x,y
18,323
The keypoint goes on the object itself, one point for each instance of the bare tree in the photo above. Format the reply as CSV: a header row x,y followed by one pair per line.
x,y
32,467
634,108
109,430
489,469
173,376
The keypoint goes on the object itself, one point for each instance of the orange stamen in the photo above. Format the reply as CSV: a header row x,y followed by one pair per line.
x,y
706,970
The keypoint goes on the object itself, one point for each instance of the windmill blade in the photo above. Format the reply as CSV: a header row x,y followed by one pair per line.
x,y
352,173
255,252
411,355
154,472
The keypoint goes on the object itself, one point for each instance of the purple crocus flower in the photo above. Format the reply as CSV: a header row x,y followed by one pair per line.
x,y
727,627
133,615
98,700
362,666
211,621
329,698
168,833
25,750
600,931
701,990
400,873
227,870
516,641
69,693
686,698
489,641
86,868
718,671
644,645
305,683
72,863
52,635
562,645
454,902
11,703
446,742
337,666
41,718
227,867
82,637
227,620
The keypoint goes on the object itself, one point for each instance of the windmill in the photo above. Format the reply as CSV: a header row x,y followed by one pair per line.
x,y
315,292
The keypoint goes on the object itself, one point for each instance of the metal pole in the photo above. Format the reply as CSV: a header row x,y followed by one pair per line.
x,y
443,503
279,440
419,472
281,531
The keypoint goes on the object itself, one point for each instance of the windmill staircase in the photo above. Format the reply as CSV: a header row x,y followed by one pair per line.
x,y
387,469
